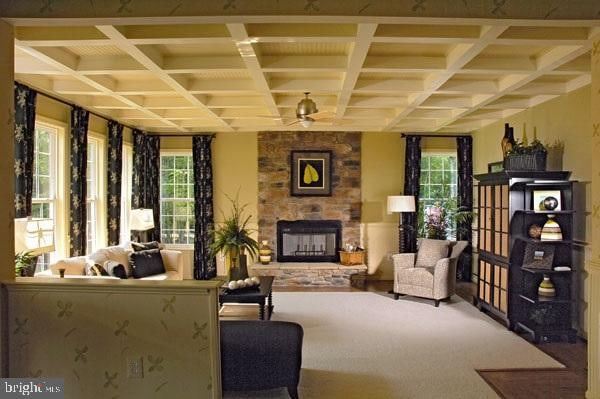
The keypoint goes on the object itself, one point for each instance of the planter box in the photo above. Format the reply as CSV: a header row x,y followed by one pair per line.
x,y
534,162
352,258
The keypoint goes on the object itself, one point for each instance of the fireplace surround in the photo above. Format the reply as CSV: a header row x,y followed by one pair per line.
x,y
308,240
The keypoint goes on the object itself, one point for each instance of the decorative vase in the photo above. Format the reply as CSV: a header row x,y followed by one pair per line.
x,y
551,230
238,269
549,203
546,287
535,231
508,140
265,252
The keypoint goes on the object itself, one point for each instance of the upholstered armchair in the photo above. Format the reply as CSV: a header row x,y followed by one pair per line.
x,y
431,272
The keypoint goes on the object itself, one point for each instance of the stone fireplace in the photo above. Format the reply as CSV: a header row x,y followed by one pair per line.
x,y
308,240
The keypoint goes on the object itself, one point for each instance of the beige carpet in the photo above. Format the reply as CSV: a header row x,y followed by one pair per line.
x,y
367,346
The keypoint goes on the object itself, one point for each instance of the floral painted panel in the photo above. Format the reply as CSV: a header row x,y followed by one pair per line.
x,y
88,338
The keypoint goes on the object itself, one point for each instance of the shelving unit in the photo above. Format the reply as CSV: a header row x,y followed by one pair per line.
x,y
508,289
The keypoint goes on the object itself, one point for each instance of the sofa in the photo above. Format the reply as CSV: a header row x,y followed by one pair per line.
x,y
258,355
77,267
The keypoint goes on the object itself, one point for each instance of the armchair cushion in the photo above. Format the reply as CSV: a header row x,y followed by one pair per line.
x,y
431,251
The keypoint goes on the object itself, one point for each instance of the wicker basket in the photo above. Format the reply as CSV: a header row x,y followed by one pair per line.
x,y
352,258
534,162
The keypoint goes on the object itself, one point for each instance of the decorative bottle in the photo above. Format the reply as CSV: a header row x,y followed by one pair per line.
x,y
508,140
546,288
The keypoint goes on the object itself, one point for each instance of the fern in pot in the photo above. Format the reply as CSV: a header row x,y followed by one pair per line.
x,y
233,239
25,263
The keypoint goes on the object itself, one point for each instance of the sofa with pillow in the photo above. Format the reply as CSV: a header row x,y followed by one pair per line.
x,y
143,262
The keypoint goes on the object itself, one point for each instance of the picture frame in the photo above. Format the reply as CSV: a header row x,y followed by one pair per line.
x,y
495,167
538,256
540,195
311,173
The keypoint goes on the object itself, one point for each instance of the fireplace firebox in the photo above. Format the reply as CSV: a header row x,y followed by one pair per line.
x,y
308,240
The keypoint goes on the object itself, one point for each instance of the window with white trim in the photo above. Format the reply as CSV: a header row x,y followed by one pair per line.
x,y
126,176
93,179
177,198
438,186
44,180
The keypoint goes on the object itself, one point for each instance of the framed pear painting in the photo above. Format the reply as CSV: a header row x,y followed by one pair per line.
x,y
311,173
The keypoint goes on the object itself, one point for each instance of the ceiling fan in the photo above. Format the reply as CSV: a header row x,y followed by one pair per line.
x,y
307,113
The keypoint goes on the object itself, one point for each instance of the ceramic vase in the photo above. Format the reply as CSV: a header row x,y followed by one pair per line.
x,y
551,230
546,287
264,252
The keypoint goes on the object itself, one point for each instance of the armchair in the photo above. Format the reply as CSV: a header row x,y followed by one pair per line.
x,y
431,272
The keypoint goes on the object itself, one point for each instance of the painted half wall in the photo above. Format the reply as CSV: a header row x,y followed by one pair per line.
x,y
565,118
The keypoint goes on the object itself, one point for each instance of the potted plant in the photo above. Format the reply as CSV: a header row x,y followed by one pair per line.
x,y
526,157
232,238
25,262
555,155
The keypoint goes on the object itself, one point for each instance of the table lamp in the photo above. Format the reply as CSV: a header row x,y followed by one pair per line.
x,y
141,220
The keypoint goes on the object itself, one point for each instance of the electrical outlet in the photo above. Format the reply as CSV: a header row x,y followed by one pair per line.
x,y
135,367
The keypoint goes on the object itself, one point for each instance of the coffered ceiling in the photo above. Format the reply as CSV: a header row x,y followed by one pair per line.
x,y
250,76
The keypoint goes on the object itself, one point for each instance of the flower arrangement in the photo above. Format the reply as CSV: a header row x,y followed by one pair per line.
x,y
436,221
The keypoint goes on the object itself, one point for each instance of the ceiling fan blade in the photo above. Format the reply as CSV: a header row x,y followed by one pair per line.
x,y
293,123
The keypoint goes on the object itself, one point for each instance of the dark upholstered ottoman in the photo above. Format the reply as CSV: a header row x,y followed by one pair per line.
x,y
257,355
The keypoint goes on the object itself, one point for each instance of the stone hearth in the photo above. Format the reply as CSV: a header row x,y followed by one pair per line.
x,y
311,274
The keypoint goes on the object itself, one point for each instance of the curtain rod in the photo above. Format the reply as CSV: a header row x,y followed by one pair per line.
x,y
403,135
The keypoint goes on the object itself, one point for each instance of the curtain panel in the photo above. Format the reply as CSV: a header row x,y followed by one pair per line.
x,y
114,173
146,178
465,203
24,148
78,188
412,176
204,265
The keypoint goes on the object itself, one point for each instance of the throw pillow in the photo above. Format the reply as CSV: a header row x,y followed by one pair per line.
x,y
143,246
98,270
146,263
430,251
74,266
115,269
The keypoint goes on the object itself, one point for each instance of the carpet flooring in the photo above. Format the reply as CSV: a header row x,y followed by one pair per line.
x,y
366,345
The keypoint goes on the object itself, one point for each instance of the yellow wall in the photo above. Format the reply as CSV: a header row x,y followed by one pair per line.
x,y
566,118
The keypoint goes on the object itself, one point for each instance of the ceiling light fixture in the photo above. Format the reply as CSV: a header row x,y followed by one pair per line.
x,y
306,121
305,107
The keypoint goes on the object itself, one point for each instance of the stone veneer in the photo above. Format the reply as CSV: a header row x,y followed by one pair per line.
x,y
274,199
312,274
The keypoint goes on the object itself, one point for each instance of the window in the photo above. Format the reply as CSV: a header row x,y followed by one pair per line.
x,y
438,185
126,192
92,195
177,199
44,180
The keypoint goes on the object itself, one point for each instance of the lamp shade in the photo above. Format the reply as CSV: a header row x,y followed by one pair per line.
x,y
34,235
141,219
400,203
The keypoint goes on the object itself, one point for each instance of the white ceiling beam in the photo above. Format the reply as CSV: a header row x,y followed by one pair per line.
x,y
423,40
501,64
579,82
291,101
387,85
458,86
70,70
442,102
233,113
250,58
541,87
30,65
221,85
547,62
377,101
363,113
356,59
152,59
458,57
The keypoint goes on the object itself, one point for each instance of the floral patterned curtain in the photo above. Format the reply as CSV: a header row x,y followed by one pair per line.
x,y
204,265
78,194
24,147
465,202
114,173
412,175
146,180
